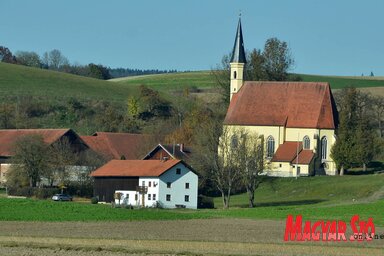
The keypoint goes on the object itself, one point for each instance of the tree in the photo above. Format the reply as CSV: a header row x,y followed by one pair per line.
x,y
31,59
355,142
133,107
342,152
61,156
250,162
255,67
98,71
30,157
277,60
378,108
6,55
54,60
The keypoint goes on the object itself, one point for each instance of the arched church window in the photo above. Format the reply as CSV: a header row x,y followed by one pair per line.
x,y
324,148
234,74
306,142
270,146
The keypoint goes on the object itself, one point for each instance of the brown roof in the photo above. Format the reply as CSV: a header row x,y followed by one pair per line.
x,y
305,157
134,168
9,137
287,151
290,104
115,145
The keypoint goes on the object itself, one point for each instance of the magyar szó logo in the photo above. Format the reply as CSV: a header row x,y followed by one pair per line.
x,y
334,230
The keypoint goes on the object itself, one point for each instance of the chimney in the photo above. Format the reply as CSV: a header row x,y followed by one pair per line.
x,y
182,147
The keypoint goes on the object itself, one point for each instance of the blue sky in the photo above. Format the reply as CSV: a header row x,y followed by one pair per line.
x,y
329,37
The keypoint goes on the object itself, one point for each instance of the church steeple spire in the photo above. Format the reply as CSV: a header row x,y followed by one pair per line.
x,y
238,53
237,62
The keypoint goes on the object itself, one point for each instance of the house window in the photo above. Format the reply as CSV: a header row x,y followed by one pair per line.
x,y
149,197
169,184
270,146
186,198
136,197
234,141
154,196
149,184
168,197
280,165
187,185
178,171
143,183
306,142
324,148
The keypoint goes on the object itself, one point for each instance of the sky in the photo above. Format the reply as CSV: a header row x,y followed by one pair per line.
x,y
326,37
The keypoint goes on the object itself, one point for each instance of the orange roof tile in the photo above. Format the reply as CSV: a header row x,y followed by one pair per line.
x,y
287,151
305,157
134,168
290,104
115,145
9,137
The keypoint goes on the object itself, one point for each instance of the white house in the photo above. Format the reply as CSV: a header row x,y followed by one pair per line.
x,y
166,183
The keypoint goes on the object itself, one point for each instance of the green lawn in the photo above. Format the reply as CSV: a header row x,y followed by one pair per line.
x,y
313,197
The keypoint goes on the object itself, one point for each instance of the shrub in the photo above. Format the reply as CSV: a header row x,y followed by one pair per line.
x,y
205,202
94,200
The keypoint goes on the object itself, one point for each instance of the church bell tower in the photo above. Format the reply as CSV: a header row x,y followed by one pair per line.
x,y
237,62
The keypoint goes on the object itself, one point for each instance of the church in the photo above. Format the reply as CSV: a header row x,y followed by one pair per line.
x,y
297,120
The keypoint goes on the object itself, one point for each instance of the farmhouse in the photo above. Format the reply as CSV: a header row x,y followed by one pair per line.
x,y
8,138
167,183
118,146
297,120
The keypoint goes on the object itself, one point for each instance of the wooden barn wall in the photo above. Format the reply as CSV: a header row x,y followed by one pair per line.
x,y
105,187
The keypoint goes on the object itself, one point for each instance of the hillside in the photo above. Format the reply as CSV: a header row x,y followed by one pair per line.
x,y
17,80
20,80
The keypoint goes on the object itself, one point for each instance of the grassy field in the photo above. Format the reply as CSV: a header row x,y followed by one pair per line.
x,y
173,81
314,197
42,227
338,82
21,80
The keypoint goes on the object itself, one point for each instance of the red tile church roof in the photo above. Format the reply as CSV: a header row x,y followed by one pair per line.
x,y
289,104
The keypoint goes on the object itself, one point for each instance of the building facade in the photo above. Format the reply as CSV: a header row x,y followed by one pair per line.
x,y
147,183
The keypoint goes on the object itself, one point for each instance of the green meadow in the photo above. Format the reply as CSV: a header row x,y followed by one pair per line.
x,y
18,80
313,197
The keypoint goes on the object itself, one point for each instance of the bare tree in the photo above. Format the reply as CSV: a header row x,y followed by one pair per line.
x,y
30,156
250,162
54,59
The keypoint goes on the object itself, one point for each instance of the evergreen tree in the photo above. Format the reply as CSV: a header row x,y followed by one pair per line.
x,y
343,152
355,142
